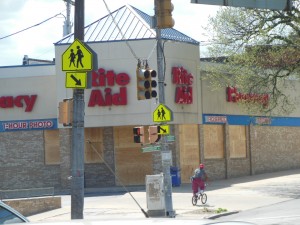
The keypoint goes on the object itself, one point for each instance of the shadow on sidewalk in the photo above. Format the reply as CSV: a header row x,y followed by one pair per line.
x,y
224,183
187,187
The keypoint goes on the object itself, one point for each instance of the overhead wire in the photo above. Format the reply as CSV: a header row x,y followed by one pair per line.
x,y
112,171
123,36
44,21
38,24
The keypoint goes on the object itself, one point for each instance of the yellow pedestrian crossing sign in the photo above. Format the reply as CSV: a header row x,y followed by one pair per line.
x,y
77,57
162,114
76,79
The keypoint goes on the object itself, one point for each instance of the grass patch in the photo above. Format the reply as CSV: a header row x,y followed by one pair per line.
x,y
221,210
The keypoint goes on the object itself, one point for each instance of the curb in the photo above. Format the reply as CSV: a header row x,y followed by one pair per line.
x,y
221,214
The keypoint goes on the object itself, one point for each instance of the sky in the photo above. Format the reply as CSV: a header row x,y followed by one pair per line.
x,y
38,41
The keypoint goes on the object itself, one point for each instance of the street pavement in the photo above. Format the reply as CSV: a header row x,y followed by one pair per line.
x,y
225,197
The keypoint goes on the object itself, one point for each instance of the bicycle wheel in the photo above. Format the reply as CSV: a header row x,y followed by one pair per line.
x,y
203,198
194,200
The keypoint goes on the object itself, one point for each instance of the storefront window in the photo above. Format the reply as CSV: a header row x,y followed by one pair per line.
x,y
237,141
213,141
51,140
94,151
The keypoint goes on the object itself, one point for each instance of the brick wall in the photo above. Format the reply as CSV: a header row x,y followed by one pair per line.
x,y
98,174
65,138
31,206
269,149
274,148
22,158
24,165
22,162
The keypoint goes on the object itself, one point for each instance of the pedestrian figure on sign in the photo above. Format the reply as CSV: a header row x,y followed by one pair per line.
x,y
79,56
72,58
163,113
158,114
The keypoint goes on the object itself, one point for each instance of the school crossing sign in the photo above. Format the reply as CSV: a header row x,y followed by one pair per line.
x,y
77,57
162,114
77,60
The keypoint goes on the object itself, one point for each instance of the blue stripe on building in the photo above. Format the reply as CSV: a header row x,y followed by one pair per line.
x,y
22,125
247,120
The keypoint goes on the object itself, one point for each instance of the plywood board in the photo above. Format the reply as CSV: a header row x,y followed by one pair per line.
x,y
213,141
52,153
95,136
189,150
237,142
132,165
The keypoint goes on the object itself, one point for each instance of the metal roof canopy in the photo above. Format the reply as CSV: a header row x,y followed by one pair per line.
x,y
123,24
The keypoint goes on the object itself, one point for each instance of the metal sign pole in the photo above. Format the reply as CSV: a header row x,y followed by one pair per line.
x,y
166,154
77,186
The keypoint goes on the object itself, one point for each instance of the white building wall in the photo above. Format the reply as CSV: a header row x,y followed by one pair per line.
x,y
214,100
28,81
117,56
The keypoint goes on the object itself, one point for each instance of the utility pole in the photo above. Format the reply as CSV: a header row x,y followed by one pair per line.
x,y
67,24
77,155
166,154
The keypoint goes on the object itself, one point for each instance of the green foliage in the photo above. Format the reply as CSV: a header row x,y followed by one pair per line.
x,y
262,55
221,210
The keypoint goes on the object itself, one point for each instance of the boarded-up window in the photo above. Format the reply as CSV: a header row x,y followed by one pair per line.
x,y
189,150
213,141
132,165
93,152
237,142
51,140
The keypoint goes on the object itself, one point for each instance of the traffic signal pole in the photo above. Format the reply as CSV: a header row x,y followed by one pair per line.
x,y
166,154
77,154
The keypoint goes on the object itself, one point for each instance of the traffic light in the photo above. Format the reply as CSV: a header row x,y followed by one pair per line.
x,y
153,134
164,10
150,83
65,115
146,84
138,135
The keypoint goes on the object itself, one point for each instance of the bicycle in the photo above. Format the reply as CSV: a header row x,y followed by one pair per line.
x,y
199,196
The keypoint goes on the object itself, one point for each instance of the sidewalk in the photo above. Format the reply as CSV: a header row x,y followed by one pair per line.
x,y
224,197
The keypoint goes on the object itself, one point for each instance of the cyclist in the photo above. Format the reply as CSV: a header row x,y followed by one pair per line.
x,y
198,179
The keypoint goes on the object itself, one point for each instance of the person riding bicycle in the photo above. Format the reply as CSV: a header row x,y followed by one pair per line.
x,y
198,179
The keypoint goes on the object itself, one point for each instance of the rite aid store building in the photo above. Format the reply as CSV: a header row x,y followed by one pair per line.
x,y
35,150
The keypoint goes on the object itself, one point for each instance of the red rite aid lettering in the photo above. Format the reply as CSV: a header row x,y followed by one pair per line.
x,y
20,101
184,85
106,97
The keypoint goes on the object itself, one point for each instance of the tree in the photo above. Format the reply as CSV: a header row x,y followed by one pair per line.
x,y
262,49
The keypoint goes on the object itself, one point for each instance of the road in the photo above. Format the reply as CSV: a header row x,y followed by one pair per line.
x,y
260,199
286,212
